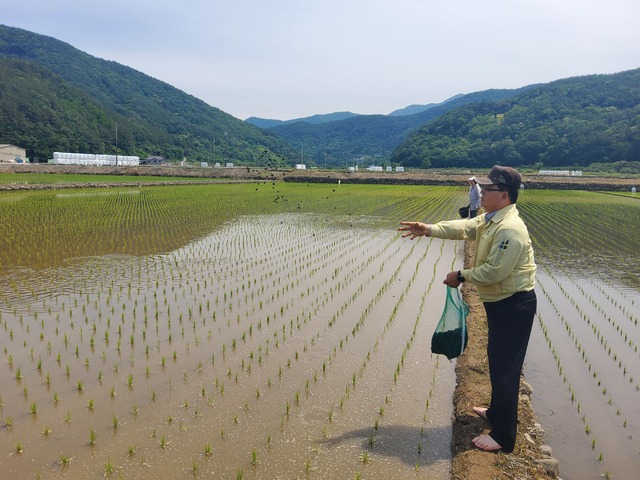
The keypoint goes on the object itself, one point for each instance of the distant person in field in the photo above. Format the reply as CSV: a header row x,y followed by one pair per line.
x,y
474,197
504,273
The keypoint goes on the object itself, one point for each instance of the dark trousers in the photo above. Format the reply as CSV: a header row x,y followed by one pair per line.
x,y
510,321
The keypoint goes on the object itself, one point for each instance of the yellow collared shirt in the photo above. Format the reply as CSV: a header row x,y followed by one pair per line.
x,y
503,263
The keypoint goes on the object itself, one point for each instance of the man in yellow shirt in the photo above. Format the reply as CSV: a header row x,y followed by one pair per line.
x,y
504,273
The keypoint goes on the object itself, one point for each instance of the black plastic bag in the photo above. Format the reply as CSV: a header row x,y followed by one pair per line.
x,y
451,336
464,211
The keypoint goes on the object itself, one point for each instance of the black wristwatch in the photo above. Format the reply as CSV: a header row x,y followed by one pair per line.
x,y
460,277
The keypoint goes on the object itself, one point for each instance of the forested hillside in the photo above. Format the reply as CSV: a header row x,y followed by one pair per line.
x,y
370,137
577,121
56,97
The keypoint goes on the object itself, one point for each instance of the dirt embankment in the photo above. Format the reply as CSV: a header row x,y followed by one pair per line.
x,y
250,174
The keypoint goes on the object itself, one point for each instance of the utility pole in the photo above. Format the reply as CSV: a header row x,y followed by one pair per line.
x,y
116,144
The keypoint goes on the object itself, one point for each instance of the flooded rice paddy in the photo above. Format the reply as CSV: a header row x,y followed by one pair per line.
x,y
282,345
283,331
583,359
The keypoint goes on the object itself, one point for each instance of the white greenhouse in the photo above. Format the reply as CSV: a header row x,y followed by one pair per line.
x,y
65,158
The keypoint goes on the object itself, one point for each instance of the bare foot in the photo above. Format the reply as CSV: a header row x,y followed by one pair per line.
x,y
486,443
481,412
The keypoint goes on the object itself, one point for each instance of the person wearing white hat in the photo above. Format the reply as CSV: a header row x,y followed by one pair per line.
x,y
474,197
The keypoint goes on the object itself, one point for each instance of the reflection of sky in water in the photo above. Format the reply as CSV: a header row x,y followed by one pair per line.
x,y
623,271
25,287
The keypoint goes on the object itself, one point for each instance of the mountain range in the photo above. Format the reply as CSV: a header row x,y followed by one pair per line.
x,y
370,138
54,97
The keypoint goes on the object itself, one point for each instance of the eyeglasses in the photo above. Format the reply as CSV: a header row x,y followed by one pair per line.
x,y
485,189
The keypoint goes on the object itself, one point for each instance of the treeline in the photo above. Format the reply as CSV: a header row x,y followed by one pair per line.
x,y
577,121
54,97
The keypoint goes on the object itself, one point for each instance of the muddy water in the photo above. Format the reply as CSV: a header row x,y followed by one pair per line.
x,y
586,372
274,348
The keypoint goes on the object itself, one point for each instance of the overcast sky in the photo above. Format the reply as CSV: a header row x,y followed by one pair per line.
x,y
293,58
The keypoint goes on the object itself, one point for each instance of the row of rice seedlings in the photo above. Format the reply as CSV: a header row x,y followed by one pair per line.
x,y
309,342
595,329
592,439
604,312
298,398
612,399
351,387
401,363
314,377
559,226
627,305
581,350
381,411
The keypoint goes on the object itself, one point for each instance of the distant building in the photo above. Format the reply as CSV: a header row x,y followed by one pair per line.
x,y
204,164
561,173
399,169
89,159
153,161
301,166
229,165
12,154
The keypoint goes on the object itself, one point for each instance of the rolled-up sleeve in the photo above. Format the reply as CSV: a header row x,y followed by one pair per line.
x,y
456,229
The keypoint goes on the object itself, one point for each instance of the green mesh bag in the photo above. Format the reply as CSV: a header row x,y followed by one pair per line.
x,y
450,337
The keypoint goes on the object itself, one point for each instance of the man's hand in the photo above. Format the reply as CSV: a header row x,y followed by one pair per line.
x,y
452,279
415,229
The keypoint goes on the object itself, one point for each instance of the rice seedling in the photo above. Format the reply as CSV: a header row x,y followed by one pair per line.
x,y
109,468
